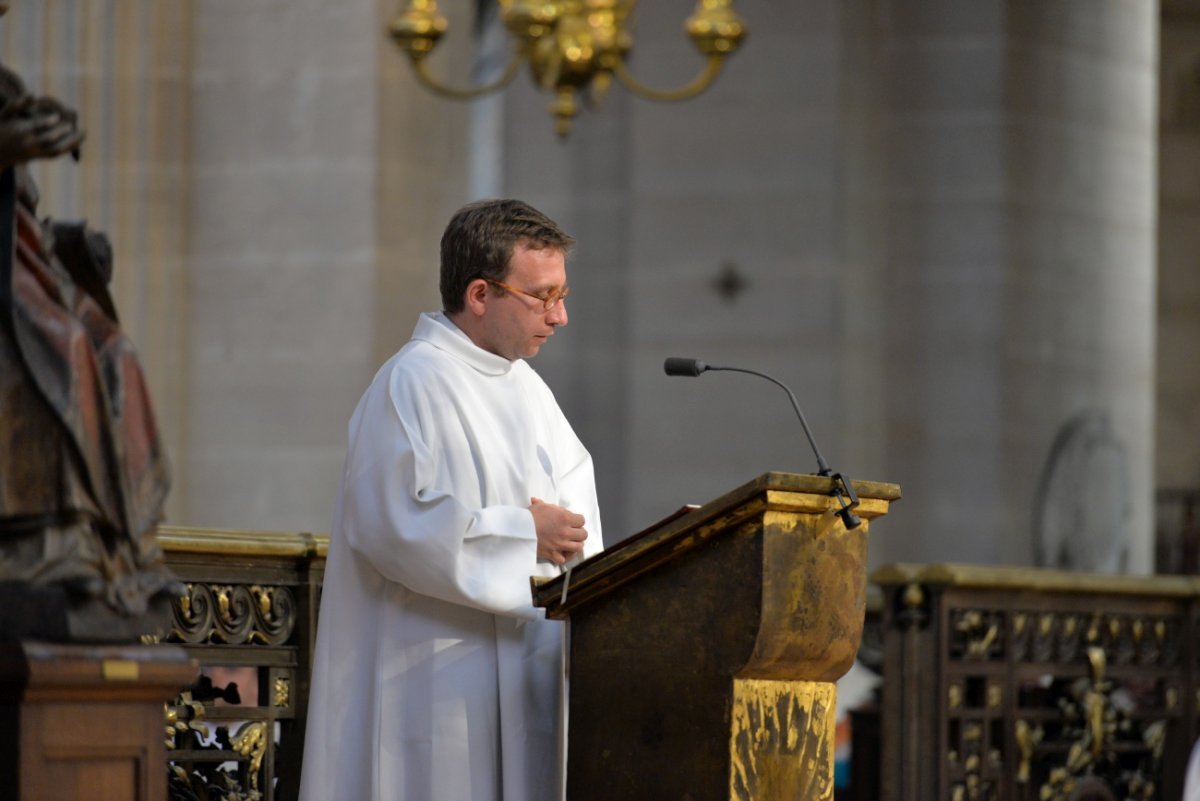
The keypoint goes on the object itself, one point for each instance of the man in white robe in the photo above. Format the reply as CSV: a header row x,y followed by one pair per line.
x,y
435,678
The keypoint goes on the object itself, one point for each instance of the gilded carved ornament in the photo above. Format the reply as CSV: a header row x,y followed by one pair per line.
x,y
234,613
186,714
1027,739
981,632
251,741
973,788
1091,715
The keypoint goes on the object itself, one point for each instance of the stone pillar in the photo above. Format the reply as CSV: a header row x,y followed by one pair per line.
x,y
1178,452
422,179
322,178
281,253
1004,182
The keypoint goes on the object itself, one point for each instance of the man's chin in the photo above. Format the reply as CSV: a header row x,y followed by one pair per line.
x,y
533,348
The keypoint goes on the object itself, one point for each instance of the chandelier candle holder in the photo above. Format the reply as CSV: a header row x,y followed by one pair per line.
x,y
573,47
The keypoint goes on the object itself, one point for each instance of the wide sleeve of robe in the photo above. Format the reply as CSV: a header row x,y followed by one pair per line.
x,y
420,505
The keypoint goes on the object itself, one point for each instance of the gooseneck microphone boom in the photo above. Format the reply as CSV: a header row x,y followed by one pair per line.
x,y
845,494
693,367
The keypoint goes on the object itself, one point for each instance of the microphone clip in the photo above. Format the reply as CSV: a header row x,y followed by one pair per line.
x,y
848,499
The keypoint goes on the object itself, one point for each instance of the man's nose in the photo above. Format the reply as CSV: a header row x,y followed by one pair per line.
x,y
558,315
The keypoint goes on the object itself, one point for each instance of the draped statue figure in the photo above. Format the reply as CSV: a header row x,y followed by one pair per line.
x,y
83,476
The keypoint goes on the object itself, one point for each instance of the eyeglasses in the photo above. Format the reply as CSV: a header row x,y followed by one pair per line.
x,y
549,300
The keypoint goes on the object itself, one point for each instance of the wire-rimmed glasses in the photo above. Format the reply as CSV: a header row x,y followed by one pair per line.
x,y
549,300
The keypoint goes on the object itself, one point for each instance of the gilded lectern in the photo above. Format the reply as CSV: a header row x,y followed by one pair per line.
x,y
703,651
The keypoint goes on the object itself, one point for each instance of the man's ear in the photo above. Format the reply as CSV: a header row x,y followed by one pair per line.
x,y
475,299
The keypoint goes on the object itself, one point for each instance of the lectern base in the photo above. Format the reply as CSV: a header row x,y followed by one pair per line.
x,y
782,740
84,722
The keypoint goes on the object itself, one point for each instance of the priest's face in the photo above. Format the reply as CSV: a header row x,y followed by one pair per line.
x,y
516,325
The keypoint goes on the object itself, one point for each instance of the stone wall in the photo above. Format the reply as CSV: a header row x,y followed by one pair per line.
x,y
321,179
935,221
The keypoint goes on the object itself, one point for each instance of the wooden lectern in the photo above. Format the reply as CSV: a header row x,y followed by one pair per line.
x,y
703,652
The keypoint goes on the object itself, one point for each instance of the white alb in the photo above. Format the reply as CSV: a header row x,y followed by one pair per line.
x,y
435,678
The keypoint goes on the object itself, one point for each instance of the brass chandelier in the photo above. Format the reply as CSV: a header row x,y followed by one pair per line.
x,y
574,48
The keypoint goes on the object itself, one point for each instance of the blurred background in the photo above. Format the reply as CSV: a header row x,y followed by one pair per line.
x,y
965,232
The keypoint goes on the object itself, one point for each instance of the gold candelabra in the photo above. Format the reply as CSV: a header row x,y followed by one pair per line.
x,y
574,48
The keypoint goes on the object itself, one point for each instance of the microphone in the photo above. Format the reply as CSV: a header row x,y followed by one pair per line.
x,y
675,365
847,498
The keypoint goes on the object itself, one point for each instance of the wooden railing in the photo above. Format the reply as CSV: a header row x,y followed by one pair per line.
x,y
249,619
1000,684
1012,684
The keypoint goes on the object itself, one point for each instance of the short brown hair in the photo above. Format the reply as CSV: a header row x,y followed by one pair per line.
x,y
479,241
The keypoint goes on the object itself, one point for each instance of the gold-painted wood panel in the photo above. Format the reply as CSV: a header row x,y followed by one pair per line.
x,y
813,597
1037,579
180,540
782,740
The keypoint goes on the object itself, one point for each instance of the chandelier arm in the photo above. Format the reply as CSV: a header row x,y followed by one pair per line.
x,y
698,84
456,93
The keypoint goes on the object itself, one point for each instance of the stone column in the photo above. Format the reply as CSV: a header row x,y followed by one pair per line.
x,y
1004,182
282,256
422,175
1178,453
322,178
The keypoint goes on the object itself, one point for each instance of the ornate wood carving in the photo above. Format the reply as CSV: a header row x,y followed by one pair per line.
x,y
234,613
780,729
1042,685
248,617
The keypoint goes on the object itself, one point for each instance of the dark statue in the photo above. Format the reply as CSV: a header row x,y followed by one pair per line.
x,y
83,476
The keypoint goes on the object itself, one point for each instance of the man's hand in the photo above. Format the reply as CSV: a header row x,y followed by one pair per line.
x,y
560,532
36,128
